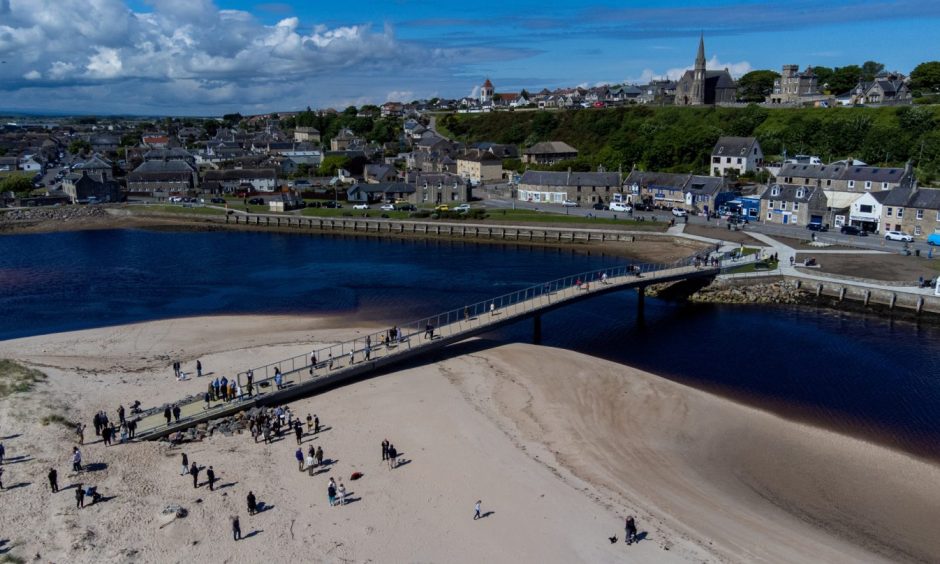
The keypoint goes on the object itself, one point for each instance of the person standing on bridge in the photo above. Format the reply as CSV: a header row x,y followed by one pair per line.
x,y
429,331
250,377
168,415
313,361
176,412
277,377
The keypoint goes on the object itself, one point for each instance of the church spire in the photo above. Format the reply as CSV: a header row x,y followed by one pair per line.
x,y
700,57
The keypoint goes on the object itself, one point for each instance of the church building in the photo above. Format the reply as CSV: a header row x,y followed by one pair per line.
x,y
701,87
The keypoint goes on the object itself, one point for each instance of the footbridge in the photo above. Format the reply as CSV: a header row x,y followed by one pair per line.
x,y
328,366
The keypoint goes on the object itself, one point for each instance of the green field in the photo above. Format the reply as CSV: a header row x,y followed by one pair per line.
x,y
177,208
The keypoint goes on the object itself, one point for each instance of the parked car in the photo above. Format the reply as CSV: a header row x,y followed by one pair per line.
x,y
817,227
387,207
332,204
738,219
571,204
175,199
256,201
442,207
852,230
679,212
361,206
620,207
600,206
640,206
217,200
934,240
407,207
898,236
463,208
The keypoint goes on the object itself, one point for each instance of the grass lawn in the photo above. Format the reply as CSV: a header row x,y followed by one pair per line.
x,y
531,216
350,213
762,266
183,210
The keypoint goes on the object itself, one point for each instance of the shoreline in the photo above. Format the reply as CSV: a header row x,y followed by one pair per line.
x,y
583,461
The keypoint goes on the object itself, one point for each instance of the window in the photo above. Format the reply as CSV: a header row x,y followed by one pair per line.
x,y
868,184
920,214
728,160
828,183
889,212
800,193
770,216
852,184
917,231
783,205
884,185
739,160
865,208
900,213
716,160
796,206
775,191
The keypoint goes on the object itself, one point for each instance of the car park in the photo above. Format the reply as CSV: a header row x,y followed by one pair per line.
x,y
852,230
361,206
679,212
571,204
620,207
898,236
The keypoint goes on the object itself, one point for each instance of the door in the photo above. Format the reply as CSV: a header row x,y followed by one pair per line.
x,y
786,218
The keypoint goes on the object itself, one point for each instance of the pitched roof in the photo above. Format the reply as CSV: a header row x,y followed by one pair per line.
x,y
790,193
731,146
550,148
552,178
240,174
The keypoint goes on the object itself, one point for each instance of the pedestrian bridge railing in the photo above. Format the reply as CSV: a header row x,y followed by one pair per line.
x,y
470,319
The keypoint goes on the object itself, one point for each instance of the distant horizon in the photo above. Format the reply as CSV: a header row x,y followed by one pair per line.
x,y
211,57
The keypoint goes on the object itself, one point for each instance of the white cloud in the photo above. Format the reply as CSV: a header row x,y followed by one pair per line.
x,y
189,54
736,69
400,96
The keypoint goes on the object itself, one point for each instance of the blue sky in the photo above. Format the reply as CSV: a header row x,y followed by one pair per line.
x,y
206,57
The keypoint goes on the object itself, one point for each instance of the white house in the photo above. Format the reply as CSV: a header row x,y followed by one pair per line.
x,y
738,154
865,211
29,164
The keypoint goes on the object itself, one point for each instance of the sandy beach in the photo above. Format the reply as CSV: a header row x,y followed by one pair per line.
x,y
559,447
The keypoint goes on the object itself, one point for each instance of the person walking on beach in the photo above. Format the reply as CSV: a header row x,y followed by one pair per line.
x,y
198,369
236,529
76,459
121,414
80,431
320,456
298,430
79,496
476,510
384,450
630,534
53,480
392,456
96,421
311,461
184,469
176,412
299,455
341,492
1,478
194,472
316,425
252,504
309,422
168,415
210,477
3,452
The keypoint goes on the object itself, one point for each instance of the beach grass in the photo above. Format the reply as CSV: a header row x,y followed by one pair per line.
x,y
57,418
183,210
16,378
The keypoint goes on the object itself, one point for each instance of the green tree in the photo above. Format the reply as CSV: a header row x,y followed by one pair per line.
x,y
870,70
211,127
129,140
350,111
926,77
844,78
79,147
231,120
20,184
756,85
332,164
823,76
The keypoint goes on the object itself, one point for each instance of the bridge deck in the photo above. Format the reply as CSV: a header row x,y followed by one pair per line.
x,y
346,361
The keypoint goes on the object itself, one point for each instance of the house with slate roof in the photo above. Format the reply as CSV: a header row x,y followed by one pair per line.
x,y
549,153
844,182
585,188
381,192
737,155
913,210
789,204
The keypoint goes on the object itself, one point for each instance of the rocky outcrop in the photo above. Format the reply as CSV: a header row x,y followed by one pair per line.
x,y
764,293
52,213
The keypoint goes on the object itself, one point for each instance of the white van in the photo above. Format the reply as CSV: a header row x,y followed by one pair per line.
x,y
620,207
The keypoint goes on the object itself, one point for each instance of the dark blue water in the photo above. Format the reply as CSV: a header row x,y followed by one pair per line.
x,y
863,374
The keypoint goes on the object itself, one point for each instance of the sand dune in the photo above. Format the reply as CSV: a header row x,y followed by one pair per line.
x,y
559,446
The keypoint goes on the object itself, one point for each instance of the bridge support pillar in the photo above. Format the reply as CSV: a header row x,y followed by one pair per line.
x,y
867,296
920,304
537,330
640,301
894,300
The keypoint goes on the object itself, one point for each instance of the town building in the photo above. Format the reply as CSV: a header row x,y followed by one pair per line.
x,y
247,179
345,140
389,192
162,177
790,204
486,92
549,153
96,167
691,192
700,87
737,155
306,134
794,87
84,188
439,188
585,188
913,210
844,182
480,166
866,212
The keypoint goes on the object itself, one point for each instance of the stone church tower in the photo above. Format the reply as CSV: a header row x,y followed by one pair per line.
x,y
486,92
